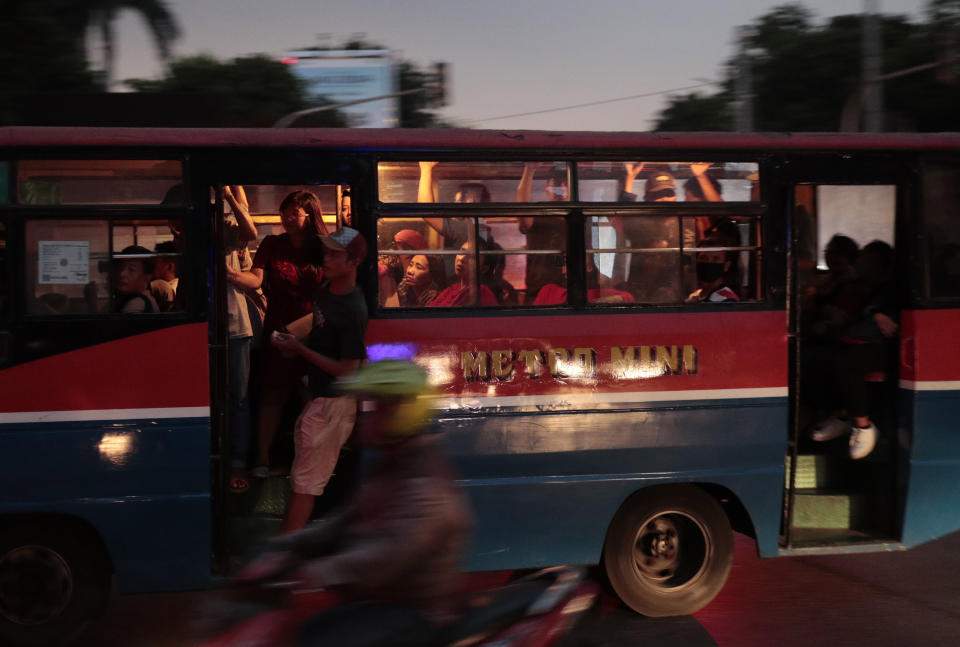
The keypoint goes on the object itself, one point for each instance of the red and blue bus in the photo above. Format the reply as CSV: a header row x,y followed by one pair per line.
x,y
605,400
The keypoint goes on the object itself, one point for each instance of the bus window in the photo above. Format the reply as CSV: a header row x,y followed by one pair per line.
x,y
668,181
636,255
941,209
473,182
863,212
468,261
56,182
70,269
655,259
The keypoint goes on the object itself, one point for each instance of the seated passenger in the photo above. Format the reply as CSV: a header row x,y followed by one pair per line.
x,y
467,290
422,282
553,294
491,275
712,269
392,267
163,287
132,276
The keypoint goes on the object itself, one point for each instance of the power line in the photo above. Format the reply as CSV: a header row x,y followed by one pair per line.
x,y
594,103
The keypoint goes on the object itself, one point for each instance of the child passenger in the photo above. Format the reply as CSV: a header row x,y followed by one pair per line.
x,y
334,348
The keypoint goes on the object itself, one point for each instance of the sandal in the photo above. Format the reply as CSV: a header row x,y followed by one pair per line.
x,y
239,484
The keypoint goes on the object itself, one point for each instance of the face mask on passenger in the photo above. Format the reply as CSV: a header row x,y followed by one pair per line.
x,y
557,192
709,272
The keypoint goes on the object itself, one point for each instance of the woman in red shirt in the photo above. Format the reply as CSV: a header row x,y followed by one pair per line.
x,y
288,266
468,291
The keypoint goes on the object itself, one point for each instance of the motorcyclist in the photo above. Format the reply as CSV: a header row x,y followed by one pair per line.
x,y
395,549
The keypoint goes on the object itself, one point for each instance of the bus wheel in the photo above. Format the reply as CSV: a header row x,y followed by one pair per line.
x,y
668,550
52,582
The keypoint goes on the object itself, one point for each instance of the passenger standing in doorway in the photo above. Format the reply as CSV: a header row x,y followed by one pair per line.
x,y
333,350
238,230
863,347
288,267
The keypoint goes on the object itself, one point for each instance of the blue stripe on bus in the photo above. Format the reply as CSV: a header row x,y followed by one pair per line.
x,y
545,486
932,501
144,486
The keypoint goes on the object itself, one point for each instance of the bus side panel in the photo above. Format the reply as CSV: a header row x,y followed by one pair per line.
x,y
545,487
118,435
930,373
556,419
142,484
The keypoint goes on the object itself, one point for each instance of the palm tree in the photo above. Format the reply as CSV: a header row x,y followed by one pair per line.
x,y
83,15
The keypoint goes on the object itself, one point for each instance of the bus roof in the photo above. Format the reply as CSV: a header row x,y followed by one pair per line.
x,y
458,139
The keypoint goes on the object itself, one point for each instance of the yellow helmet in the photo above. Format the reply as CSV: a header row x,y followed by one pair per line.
x,y
387,379
398,381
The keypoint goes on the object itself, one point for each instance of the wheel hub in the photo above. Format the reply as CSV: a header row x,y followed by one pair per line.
x,y
36,585
657,551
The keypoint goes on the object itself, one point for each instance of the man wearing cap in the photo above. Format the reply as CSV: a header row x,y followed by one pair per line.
x,y
333,349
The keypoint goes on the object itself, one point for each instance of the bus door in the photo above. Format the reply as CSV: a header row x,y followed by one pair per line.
x,y
249,473
847,262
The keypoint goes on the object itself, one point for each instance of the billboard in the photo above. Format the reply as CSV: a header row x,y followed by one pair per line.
x,y
350,75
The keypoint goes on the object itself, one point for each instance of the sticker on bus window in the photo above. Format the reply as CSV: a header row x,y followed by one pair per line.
x,y
63,262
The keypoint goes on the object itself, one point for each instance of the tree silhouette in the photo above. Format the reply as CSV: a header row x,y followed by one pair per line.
x,y
100,15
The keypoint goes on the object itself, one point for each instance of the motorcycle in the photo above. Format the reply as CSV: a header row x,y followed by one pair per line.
x,y
532,611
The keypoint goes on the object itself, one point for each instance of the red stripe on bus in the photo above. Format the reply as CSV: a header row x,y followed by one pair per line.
x,y
928,350
735,350
165,368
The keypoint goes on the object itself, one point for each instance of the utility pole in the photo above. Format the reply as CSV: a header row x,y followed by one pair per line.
x,y
872,68
743,88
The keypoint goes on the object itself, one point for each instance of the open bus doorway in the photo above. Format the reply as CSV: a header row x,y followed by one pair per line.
x,y
260,394
840,490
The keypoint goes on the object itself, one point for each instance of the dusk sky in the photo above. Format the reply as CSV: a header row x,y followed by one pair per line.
x,y
507,56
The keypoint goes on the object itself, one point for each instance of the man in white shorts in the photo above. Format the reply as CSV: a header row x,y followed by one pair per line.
x,y
334,348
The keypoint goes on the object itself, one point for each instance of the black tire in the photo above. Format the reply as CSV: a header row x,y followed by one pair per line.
x,y
53,581
668,550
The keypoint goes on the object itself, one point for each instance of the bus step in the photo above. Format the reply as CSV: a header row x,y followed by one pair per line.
x,y
825,509
819,471
265,498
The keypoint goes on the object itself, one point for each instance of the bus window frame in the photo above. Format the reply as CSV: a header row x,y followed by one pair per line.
x,y
115,215
751,211
474,211
91,156
17,215
575,213
921,286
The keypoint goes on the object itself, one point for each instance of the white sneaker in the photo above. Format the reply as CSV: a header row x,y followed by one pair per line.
x,y
829,429
862,441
